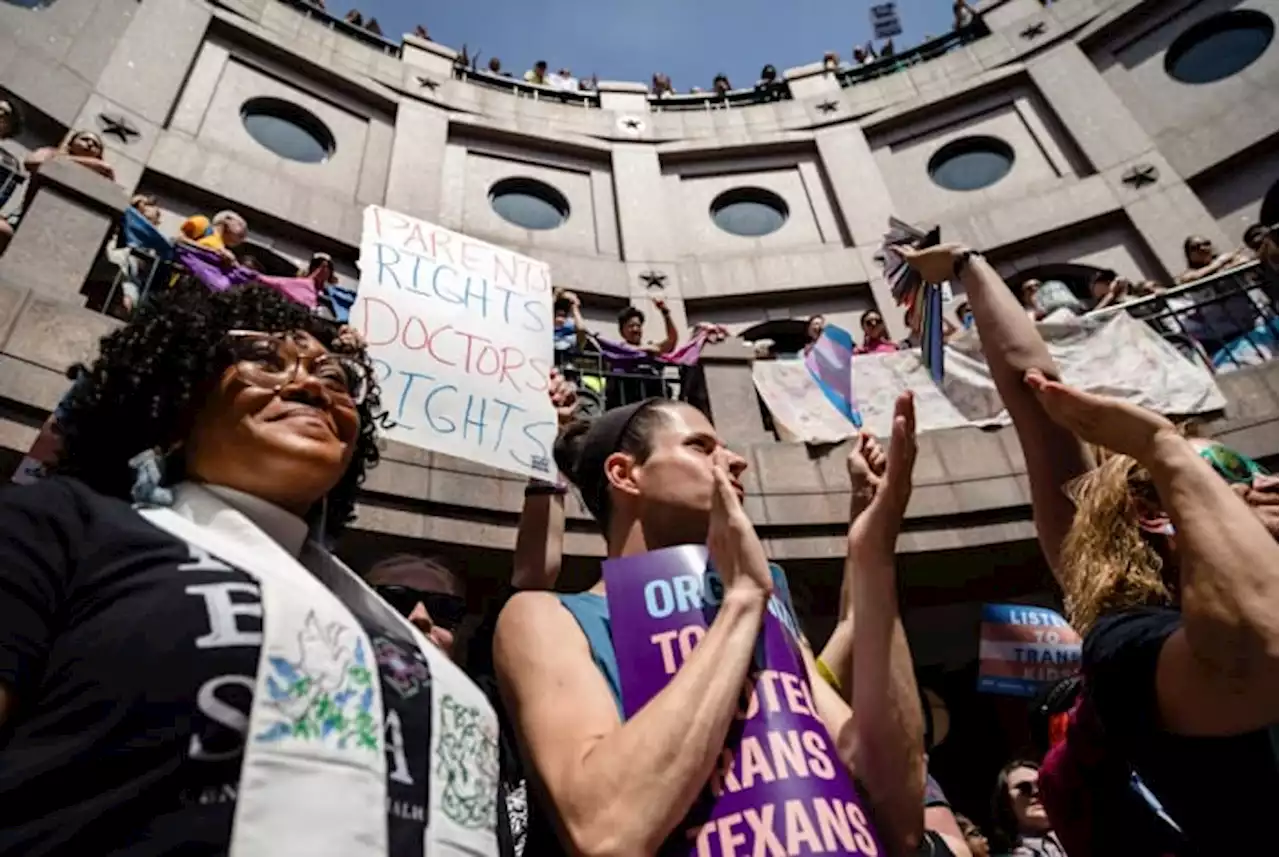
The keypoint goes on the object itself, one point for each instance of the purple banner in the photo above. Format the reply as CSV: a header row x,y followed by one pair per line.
x,y
780,787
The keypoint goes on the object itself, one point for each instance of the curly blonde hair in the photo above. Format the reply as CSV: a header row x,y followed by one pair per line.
x,y
1108,562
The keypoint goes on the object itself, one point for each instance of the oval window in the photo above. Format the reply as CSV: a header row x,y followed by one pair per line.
x,y
290,131
1219,47
528,203
971,163
749,211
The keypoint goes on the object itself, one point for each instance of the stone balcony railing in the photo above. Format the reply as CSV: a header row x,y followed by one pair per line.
x,y
971,487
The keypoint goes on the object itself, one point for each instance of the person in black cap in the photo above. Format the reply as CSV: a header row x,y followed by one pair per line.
x,y
655,474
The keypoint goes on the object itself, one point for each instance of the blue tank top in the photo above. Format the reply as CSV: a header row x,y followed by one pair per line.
x,y
591,612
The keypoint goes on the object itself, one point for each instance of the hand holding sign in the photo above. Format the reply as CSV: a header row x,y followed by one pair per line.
x,y
459,332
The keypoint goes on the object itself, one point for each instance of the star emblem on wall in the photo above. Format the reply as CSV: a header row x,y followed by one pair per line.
x,y
654,279
118,125
828,106
631,124
1034,31
1141,175
428,83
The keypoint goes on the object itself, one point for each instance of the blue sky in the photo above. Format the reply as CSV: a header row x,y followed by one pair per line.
x,y
691,40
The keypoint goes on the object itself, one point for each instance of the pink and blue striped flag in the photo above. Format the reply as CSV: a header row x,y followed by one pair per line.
x,y
830,362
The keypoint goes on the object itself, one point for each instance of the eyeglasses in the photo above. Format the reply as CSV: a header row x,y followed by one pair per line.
x,y
445,610
272,360
1027,789
1232,466
872,322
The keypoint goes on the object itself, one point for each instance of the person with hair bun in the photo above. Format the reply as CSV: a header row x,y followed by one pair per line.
x,y
185,667
655,474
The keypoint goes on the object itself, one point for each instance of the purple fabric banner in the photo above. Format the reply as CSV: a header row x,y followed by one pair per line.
x,y
779,788
208,267
627,357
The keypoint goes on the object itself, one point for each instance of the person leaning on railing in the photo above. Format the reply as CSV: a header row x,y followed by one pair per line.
x,y
1204,260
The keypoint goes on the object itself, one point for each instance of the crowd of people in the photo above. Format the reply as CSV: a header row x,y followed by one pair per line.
x,y
187,666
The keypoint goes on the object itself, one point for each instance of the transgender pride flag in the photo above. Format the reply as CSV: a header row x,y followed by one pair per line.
x,y
830,362
1022,647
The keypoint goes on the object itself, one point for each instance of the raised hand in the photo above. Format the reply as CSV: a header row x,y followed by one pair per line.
x,y
659,303
934,264
1101,420
874,534
564,397
732,542
866,463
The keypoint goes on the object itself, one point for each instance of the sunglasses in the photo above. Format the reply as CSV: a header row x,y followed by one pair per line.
x,y
446,610
1027,789
873,322
1232,466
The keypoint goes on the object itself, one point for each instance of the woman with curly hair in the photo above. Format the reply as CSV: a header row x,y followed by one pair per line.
x,y
193,671
1170,571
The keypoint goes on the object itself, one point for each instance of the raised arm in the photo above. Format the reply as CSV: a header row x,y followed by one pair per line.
x,y
1217,673
887,719
1012,347
36,159
621,788
667,345
540,534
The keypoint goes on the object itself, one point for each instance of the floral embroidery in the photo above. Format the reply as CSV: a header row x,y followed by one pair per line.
x,y
326,695
467,760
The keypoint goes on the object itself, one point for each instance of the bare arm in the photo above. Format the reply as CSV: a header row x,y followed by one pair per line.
x,y
1011,347
667,345
539,542
36,159
886,701
1217,673
98,165
619,788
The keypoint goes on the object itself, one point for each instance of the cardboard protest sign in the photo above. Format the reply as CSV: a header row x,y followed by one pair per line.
x,y
1021,648
460,334
780,787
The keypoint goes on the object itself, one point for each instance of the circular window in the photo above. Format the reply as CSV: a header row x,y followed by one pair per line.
x,y
1219,46
528,203
749,211
971,163
288,130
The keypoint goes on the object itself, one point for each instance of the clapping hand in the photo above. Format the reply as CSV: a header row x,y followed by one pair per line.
x,y
887,479
1101,420
735,549
866,463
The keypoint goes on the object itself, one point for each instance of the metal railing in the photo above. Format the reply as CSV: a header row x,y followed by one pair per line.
x,y
524,89
1226,321
358,33
930,50
762,93
602,387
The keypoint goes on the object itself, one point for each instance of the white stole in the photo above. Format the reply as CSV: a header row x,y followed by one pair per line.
x,y
313,781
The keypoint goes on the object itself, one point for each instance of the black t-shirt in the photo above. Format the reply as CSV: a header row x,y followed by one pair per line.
x,y
131,660
1219,790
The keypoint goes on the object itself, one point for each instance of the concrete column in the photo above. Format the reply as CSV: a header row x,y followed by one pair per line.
x,y
865,206
735,407
811,81
624,97
435,59
1160,205
62,232
642,207
416,175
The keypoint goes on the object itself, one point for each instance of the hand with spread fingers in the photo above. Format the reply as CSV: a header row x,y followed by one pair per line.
x,y
735,549
934,264
874,534
1101,420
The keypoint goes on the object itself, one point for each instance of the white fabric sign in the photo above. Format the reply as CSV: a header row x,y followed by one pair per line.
x,y
1119,356
460,333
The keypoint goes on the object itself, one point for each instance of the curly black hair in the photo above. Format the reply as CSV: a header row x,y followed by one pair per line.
x,y
151,376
